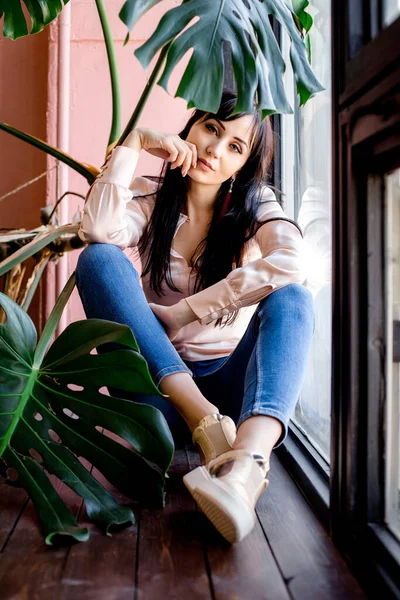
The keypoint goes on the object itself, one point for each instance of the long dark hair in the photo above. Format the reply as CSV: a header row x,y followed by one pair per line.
x,y
222,249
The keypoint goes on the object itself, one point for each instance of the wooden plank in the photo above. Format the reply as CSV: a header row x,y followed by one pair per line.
x,y
244,570
29,568
103,568
179,552
12,502
310,563
171,560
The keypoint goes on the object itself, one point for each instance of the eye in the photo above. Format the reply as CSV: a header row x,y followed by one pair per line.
x,y
211,128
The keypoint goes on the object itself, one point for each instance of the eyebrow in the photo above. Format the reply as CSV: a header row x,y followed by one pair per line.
x,y
235,138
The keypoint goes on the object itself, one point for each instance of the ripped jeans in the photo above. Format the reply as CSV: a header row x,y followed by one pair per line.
x,y
262,376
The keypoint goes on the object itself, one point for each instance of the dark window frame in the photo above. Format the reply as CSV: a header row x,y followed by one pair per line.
x,y
366,145
370,147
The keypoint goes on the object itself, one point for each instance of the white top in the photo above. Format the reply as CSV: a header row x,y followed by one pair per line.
x,y
114,213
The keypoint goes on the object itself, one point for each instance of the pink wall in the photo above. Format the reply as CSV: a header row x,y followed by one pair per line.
x,y
29,102
23,102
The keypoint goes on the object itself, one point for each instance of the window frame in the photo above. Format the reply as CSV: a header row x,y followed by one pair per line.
x,y
366,142
305,464
366,145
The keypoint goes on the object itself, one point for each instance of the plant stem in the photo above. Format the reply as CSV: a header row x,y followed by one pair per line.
x,y
26,303
113,66
90,173
144,97
52,322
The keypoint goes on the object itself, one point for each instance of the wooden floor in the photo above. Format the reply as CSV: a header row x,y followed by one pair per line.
x,y
175,553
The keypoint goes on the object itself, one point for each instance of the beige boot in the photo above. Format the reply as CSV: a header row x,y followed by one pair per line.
x,y
214,435
228,497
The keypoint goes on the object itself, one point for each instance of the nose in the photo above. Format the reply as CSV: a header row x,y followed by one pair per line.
x,y
215,149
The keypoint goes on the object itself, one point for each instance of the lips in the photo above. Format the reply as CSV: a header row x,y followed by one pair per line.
x,y
202,160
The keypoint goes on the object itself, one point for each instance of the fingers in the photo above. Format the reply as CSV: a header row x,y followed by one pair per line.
x,y
182,154
182,151
191,159
187,163
171,147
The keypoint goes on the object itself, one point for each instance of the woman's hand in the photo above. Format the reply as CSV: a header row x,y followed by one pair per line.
x,y
165,314
168,146
174,317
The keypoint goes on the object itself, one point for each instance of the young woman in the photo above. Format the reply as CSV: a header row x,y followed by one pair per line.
x,y
219,312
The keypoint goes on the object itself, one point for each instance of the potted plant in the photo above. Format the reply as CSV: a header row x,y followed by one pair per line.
x,y
51,409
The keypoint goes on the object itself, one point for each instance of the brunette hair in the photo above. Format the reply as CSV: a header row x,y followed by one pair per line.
x,y
222,248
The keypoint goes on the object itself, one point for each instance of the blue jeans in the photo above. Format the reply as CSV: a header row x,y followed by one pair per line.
x,y
262,376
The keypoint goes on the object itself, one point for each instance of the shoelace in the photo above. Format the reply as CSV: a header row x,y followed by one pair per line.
x,y
262,461
259,458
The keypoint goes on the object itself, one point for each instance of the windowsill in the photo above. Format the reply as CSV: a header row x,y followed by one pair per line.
x,y
309,471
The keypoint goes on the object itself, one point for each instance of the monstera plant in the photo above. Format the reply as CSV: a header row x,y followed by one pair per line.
x,y
243,26
51,409
52,412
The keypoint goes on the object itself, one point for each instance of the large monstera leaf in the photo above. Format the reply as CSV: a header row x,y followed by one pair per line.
x,y
52,413
41,13
257,61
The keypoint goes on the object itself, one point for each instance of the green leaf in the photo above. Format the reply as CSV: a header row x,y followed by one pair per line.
x,y
41,13
305,19
53,321
92,329
40,241
308,46
88,171
257,61
131,12
51,413
34,284
12,237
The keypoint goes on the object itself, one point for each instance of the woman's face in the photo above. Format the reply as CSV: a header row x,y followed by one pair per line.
x,y
224,145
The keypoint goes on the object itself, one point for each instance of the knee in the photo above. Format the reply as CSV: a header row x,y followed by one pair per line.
x,y
95,257
299,293
94,254
294,294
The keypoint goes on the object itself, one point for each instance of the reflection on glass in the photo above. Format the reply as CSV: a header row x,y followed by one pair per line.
x,y
306,183
392,202
391,11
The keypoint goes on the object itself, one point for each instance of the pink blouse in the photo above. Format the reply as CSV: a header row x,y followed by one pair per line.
x,y
114,213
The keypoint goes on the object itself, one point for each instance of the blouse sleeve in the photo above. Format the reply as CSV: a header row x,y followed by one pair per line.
x,y
111,214
281,263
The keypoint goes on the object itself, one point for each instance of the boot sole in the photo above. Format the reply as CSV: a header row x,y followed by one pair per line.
x,y
228,512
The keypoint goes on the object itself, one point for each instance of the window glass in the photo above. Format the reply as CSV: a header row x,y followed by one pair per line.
x,y
367,19
391,11
306,183
392,437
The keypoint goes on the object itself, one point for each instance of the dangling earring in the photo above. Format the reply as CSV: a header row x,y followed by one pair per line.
x,y
225,205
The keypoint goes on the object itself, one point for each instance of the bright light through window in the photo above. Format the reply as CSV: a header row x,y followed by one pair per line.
x,y
391,11
392,236
306,182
